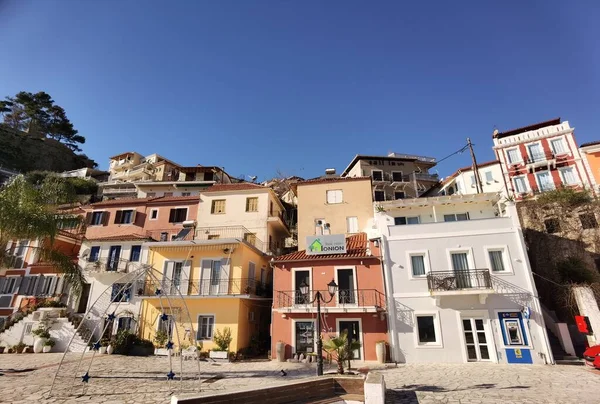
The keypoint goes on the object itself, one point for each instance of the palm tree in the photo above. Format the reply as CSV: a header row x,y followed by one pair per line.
x,y
341,349
37,212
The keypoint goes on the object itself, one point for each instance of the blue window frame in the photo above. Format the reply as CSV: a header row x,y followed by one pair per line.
x,y
94,253
121,292
136,251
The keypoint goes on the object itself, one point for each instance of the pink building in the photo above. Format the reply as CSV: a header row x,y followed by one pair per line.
x,y
359,306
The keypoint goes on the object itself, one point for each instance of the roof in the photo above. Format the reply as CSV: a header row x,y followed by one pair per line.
x,y
150,200
323,180
535,126
123,154
356,247
388,158
243,186
163,199
470,168
595,143
124,237
200,169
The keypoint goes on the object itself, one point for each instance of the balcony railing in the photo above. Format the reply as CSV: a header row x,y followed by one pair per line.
x,y
279,214
343,298
229,232
205,287
111,265
443,281
171,234
425,177
539,157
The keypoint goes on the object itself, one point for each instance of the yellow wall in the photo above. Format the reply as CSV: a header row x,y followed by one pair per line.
x,y
593,159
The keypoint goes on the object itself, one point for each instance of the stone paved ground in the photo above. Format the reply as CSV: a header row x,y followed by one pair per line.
x,y
119,379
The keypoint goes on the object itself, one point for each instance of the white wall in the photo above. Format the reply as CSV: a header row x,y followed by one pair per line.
x,y
462,183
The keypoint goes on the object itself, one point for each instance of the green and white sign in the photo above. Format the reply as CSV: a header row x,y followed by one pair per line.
x,y
330,244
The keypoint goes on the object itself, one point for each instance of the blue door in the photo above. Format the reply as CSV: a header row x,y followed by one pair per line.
x,y
114,254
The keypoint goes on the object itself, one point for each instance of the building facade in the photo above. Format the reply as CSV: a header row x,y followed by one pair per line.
x,y
460,285
463,181
539,158
358,306
591,158
395,176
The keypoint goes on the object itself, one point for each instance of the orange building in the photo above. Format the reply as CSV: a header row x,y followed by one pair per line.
x,y
591,156
358,306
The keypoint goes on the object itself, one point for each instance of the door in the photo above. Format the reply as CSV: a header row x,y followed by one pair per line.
x,y
114,253
305,336
301,277
346,289
476,339
176,278
83,299
215,278
460,265
353,330
535,152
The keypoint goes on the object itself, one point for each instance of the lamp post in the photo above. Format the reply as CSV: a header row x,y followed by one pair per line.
x,y
332,288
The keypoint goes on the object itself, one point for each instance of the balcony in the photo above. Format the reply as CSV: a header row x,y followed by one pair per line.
x,y
173,234
104,265
205,287
277,218
229,232
465,226
537,160
461,282
425,177
349,300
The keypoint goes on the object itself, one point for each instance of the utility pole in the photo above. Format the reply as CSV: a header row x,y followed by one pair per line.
x,y
478,184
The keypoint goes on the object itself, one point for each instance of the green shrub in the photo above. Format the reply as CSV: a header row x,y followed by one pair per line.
x,y
222,340
161,338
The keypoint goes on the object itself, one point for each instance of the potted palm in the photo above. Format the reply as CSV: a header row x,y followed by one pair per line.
x,y
341,349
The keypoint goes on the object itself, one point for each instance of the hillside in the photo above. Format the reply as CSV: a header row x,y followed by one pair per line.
x,y
21,152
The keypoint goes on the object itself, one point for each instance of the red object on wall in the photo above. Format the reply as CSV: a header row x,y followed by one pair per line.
x,y
583,325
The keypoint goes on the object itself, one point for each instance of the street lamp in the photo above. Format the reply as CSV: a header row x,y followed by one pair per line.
x,y
332,288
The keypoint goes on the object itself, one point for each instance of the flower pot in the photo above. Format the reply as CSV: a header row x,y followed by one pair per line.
x,y
380,351
38,345
110,349
280,350
219,354
1,349
102,349
46,348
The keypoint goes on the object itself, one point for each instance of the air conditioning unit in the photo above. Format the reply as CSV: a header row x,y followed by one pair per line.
x,y
319,222
188,223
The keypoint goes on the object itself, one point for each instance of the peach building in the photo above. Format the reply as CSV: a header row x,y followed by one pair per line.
x,y
591,158
358,306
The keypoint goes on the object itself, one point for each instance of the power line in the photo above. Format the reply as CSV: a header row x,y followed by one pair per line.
x,y
465,147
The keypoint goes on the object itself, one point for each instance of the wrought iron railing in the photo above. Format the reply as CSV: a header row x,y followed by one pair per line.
x,y
458,280
539,157
343,298
111,265
204,287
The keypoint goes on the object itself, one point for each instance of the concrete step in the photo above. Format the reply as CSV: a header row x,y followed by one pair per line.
x,y
570,360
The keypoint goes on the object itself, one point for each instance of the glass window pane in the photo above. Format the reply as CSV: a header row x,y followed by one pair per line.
x,y
450,218
412,220
484,352
488,176
426,329
467,325
471,352
418,265
479,325
462,216
399,221
496,261
481,337
469,338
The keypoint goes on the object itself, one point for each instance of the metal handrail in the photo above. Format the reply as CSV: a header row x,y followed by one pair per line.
x,y
342,298
111,265
226,232
458,280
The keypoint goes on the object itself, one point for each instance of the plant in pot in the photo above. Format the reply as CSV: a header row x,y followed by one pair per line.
x,y
111,346
48,344
341,349
222,341
19,347
160,341
42,334
104,342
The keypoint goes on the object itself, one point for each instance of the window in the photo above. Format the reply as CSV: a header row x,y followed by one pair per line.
x,y
334,196
513,156
121,292
399,195
458,186
489,176
568,176
177,215
545,181
558,146
497,260
520,185
135,253
398,221
94,253
168,194
552,225
9,285
588,221
417,264
166,325
472,180
150,194
377,175
379,196
218,207
154,214
186,194
456,217
68,223
426,330
252,204
213,236
352,224
250,238
125,216
535,152
397,176
97,219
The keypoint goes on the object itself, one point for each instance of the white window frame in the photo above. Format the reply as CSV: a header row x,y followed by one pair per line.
x,y
518,155
16,278
470,257
407,217
565,146
304,320
455,216
538,143
537,181
152,211
562,176
348,223
491,179
514,184
436,326
335,271
334,193
214,316
401,175
426,261
508,268
402,192
310,280
382,174
378,190
360,334
488,329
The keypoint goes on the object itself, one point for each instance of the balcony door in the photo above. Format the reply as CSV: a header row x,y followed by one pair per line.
x,y
301,276
114,254
215,277
346,286
476,339
535,152
352,327
460,265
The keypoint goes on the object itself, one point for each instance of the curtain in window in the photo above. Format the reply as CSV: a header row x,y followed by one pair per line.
x,y
558,146
418,265
545,181
496,261
569,176
513,155
460,261
520,184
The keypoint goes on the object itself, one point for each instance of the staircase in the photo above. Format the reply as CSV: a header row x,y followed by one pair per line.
x,y
560,356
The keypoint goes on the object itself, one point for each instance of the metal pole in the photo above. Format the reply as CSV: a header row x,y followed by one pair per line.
x,y
478,184
319,342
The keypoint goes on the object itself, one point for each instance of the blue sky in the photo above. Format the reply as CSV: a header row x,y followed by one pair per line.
x,y
299,86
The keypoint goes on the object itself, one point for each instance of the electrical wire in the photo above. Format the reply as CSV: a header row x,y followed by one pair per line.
x,y
550,280
465,147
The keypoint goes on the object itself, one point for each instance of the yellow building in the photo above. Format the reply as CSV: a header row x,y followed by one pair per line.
x,y
333,205
207,284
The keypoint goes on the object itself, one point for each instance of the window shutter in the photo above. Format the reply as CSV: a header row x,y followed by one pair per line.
x,y
139,219
53,284
2,283
88,218
60,285
105,217
17,284
39,287
172,214
24,285
205,272
133,216
118,216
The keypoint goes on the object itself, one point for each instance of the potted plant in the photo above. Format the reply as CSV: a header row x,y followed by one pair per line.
x,y
19,347
222,341
341,349
160,340
48,344
42,335
280,351
104,342
380,351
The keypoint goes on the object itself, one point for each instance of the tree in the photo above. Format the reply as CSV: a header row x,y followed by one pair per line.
x,y
29,212
37,115
341,349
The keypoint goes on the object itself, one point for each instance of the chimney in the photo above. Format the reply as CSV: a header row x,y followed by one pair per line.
x,y
330,171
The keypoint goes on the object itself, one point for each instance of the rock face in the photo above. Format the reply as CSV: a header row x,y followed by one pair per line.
x,y
23,153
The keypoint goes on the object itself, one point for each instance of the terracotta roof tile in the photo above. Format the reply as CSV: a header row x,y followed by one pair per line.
x,y
233,187
322,180
161,199
356,247
535,126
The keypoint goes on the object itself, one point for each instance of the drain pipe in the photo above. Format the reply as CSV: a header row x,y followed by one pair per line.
x,y
391,307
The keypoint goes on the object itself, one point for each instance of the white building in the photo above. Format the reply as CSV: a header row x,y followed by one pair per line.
x,y
461,286
463,181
